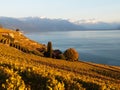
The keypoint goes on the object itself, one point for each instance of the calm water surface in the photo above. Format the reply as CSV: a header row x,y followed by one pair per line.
x,y
93,46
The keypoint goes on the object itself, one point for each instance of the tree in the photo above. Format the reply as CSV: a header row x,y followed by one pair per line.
x,y
61,56
71,54
49,49
56,53
17,30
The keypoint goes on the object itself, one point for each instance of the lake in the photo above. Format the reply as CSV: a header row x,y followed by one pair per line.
x,y
93,46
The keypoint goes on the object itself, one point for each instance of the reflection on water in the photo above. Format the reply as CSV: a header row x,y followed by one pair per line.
x,y
93,46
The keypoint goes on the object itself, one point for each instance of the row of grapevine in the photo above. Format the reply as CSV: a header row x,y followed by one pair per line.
x,y
10,41
25,72
10,80
47,78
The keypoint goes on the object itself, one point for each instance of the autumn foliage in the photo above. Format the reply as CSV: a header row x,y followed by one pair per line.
x,y
71,54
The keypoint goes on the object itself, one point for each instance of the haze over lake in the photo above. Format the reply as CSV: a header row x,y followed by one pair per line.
x,y
93,46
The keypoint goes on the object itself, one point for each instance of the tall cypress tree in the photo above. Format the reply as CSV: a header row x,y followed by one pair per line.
x,y
49,49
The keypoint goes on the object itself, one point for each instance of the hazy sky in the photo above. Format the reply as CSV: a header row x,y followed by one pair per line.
x,y
101,10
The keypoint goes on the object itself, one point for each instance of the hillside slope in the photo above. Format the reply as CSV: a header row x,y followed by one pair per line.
x,y
26,71
21,40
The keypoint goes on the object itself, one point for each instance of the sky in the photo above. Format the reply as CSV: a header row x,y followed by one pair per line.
x,y
98,10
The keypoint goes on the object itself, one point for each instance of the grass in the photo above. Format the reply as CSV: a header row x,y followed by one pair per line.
x,y
23,71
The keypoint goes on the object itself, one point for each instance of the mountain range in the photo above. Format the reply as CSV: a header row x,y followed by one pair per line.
x,y
36,24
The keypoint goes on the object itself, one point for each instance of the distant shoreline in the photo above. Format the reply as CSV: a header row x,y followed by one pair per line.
x,y
26,32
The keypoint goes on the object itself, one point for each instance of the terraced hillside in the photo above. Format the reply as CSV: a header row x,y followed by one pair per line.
x,y
18,40
26,71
